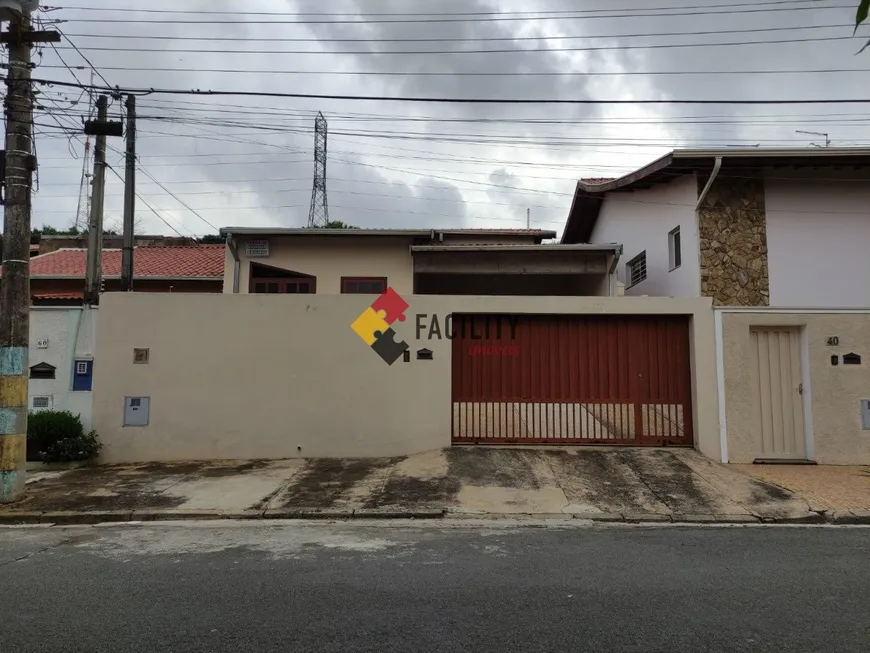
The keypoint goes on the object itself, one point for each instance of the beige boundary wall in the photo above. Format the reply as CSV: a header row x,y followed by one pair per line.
x,y
281,376
834,433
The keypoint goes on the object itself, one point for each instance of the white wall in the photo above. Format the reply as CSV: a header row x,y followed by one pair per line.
x,y
818,234
59,327
641,221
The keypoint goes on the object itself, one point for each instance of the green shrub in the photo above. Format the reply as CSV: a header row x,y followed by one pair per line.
x,y
58,436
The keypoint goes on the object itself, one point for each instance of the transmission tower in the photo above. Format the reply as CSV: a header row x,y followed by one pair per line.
x,y
318,215
84,207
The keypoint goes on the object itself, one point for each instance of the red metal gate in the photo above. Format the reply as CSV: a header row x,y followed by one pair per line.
x,y
569,379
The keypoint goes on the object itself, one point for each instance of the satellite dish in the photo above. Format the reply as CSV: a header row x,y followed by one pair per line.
x,y
12,9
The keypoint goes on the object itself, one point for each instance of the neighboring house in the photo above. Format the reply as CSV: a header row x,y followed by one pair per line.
x,y
778,240
61,359
58,278
747,227
421,261
80,241
62,331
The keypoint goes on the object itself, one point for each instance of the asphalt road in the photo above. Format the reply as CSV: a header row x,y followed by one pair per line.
x,y
433,587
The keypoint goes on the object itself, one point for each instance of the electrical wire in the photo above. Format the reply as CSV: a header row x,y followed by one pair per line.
x,y
200,12
394,73
598,48
576,14
487,39
449,100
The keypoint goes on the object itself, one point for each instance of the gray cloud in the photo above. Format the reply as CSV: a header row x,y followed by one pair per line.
x,y
386,170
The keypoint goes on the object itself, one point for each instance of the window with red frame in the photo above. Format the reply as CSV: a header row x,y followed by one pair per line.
x,y
363,285
293,286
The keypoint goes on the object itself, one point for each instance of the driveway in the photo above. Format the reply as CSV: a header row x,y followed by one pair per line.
x,y
604,484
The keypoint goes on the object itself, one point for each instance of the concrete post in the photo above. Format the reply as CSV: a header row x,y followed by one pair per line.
x,y
15,311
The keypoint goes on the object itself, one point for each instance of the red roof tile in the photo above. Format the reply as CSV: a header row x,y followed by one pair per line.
x,y
171,262
58,295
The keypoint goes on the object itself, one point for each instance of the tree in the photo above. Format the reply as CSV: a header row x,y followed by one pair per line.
x,y
860,17
211,239
337,224
47,230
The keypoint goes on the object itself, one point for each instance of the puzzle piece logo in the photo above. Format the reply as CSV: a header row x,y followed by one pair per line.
x,y
373,326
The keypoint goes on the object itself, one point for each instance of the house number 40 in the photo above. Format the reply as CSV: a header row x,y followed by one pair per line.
x,y
833,341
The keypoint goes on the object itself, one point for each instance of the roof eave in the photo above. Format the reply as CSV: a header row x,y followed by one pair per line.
x,y
142,277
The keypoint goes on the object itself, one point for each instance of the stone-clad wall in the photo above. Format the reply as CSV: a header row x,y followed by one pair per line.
x,y
733,243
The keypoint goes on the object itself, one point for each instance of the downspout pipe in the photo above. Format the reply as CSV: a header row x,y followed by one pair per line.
x,y
716,166
617,253
237,265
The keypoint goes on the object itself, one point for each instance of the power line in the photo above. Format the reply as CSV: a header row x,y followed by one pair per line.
x,y
82,55
451,13
600,48
153,210
445,100
576,14
174,196
303,116
396,73
487,39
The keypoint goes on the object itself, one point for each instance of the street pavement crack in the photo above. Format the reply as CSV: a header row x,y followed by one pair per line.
x,y
33,554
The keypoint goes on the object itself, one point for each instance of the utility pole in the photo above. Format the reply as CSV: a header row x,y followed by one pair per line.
x,y
129,198
15,312
528,218
93,272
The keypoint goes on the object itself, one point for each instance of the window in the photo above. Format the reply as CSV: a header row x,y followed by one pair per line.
x,y
300,286
635,270
42,371
363,285
675,253
83,377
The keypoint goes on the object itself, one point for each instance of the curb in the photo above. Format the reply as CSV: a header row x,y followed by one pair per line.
x,y
68,518
851,518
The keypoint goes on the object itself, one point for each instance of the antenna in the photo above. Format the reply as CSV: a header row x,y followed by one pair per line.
x,y
827,140
318,214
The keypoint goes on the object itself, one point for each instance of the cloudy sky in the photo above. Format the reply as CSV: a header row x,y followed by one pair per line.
x,y
233,160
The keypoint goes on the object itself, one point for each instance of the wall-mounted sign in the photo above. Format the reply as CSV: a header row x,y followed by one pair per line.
x,y
832,341
257,249
42,343
851,359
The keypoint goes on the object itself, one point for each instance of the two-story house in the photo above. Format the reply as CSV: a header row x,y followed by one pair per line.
x,y
777,238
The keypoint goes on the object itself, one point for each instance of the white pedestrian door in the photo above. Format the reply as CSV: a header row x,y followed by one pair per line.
x,y
778,394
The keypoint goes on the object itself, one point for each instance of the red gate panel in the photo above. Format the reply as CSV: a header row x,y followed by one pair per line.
x,y
571,379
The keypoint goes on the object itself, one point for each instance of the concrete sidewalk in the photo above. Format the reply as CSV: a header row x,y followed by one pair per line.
x,y
635,485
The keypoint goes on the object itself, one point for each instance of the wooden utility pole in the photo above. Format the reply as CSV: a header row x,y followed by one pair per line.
x,y
15,296
129,197
93,272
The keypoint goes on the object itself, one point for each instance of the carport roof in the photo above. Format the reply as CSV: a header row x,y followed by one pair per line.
x,y
590,193
579,247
